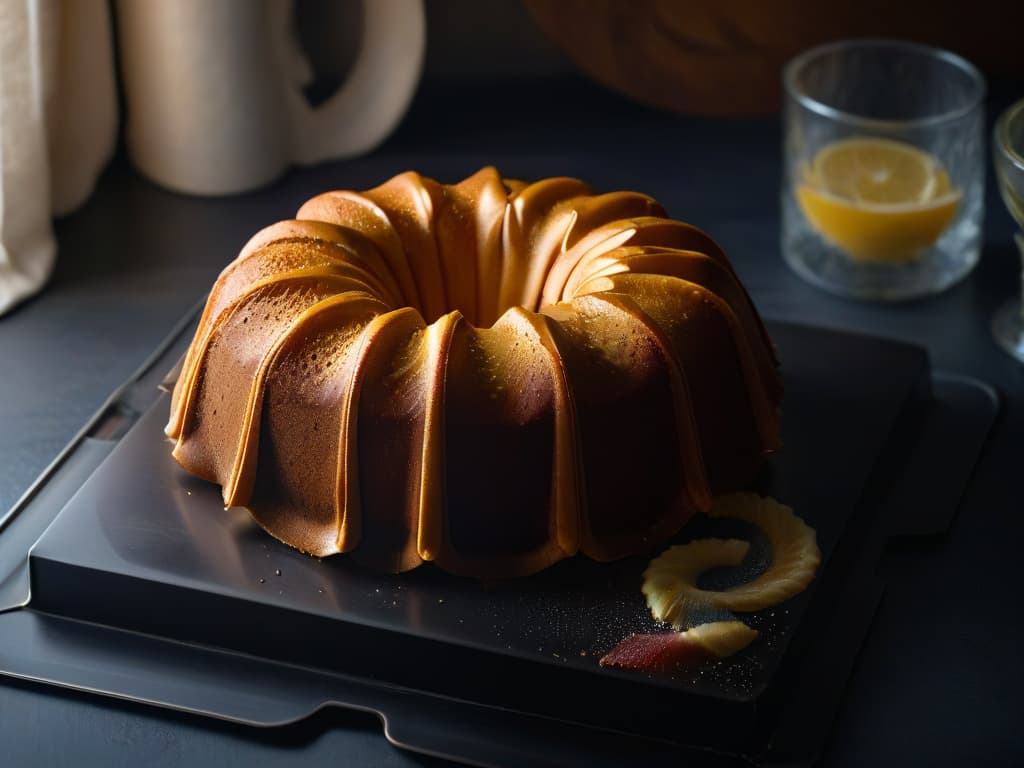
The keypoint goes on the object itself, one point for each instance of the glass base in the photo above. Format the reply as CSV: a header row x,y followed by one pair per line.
x,y
829,268
1008,328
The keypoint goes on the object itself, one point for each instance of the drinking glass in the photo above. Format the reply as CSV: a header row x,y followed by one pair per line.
x,y
883,179
1008,156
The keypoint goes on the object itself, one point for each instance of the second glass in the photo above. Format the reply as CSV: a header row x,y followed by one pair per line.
x,y
1008,154
883,181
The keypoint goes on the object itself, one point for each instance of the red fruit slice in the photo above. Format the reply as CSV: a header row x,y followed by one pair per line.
x,y
666,651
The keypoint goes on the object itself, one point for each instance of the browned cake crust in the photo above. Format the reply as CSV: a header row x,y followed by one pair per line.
x,y
491,376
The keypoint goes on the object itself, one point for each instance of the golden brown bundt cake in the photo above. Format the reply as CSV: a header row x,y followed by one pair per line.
x,y
491,375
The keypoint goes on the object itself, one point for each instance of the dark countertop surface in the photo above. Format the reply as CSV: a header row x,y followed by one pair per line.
x,y
939,679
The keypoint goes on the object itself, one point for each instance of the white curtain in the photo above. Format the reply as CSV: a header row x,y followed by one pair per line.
x,y
58,125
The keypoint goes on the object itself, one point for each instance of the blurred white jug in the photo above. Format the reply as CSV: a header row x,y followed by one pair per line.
x,y
213,89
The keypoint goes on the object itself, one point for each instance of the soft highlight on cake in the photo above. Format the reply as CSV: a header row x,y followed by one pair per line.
x,y
491,375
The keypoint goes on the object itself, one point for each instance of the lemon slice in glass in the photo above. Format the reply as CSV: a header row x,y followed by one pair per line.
x,y
878,200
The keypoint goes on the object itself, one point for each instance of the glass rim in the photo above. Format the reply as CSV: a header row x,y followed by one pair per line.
x,y
1002,133
795,64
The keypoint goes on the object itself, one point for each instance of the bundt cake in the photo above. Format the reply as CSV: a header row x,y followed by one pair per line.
x,y
491,376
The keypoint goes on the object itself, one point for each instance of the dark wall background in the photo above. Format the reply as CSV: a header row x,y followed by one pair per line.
x,y
467,40
701,56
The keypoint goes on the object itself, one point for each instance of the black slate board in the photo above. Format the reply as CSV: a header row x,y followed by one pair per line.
x,y
146,548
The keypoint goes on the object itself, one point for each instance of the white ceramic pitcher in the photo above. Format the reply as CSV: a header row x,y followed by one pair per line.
x,y
213,89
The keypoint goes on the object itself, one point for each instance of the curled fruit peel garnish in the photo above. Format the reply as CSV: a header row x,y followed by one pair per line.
x,y
723,638
670,581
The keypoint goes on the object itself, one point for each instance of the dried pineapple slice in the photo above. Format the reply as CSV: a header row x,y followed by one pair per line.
x,y
794,545
670,581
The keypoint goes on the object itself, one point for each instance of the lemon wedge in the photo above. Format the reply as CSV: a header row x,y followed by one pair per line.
x,y
878,200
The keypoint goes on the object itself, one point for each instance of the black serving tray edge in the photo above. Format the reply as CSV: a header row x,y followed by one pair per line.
x,y
58,650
